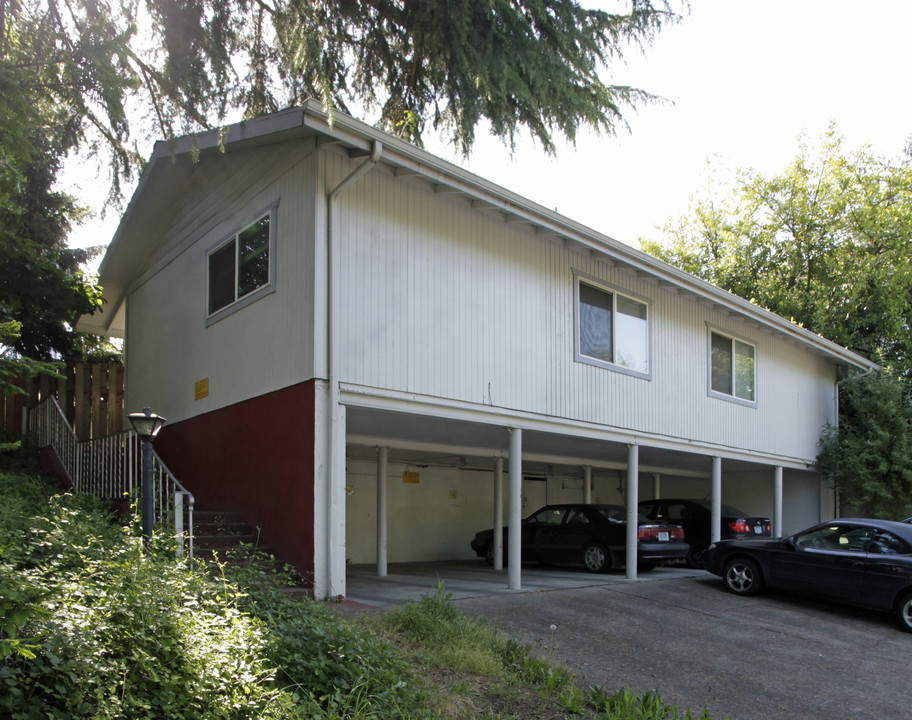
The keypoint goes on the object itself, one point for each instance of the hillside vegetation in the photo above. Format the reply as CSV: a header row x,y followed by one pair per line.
x,y
95,625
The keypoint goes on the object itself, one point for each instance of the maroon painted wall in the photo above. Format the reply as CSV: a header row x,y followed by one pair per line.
x,y
255,458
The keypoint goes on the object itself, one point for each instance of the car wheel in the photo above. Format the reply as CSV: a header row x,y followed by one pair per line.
x,y
595,558
694,559
904,612
742,576
489,554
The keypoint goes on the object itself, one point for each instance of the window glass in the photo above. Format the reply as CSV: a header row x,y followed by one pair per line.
x,y
595,323
732,367
613,328
721,364
744,371
632,348
240,266
836,537
885,543
549,516
221,278
253,257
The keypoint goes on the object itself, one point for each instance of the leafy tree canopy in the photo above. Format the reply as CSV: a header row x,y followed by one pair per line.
x,y
826,243
84,75
868,456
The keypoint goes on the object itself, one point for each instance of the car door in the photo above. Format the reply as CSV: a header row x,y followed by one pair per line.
x,y
888,569
826,560
544,533
689,517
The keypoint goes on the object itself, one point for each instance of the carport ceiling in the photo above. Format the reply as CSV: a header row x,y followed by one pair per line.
x,y
421,439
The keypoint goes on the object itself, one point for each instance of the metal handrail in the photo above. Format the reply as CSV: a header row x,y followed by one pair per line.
x,y
110,467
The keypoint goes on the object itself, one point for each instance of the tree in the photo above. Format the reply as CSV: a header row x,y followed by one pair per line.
x,y
826,243
868,455
69,72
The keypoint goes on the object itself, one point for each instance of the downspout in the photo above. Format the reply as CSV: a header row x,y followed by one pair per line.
x,y
332,359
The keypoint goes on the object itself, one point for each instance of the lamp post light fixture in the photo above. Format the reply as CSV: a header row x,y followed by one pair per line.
x,y
147,424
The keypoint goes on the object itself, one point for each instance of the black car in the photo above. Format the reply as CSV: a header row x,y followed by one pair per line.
x,y
695,516
857,561
592,535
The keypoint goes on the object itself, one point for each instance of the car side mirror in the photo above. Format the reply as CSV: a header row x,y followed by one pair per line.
x,y
790,543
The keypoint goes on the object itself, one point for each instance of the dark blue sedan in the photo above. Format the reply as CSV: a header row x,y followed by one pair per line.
x,y
861,562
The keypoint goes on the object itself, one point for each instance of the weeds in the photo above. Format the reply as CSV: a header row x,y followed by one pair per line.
x,y
94,624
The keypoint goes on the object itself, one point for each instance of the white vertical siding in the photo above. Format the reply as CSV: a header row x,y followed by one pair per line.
x,y
263,347
446,300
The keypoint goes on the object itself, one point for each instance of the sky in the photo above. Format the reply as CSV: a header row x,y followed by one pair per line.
x,y
743,79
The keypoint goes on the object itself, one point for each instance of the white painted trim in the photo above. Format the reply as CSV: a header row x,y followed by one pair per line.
x,y
254,295
411,403
710,329
514,532
614,291
382,457
633,501
716,515
777,501
498,513
321,494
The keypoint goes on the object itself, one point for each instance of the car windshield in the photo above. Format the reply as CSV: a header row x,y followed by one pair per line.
x,y
616,513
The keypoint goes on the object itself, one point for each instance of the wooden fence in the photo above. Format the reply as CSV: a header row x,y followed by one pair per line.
x,y
90,395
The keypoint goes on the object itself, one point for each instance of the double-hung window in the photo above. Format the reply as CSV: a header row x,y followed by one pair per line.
x,y
612,329
240,268
732,364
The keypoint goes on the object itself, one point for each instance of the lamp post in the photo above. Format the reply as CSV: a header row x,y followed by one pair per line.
x,y
147,424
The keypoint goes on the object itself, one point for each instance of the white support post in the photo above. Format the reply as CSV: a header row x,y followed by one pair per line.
x,y
633,493
337,501
716,527
514,537
498,513
587,484
382,457
777,502
656,485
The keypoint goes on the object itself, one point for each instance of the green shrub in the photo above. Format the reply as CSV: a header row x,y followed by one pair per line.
x,y
94,624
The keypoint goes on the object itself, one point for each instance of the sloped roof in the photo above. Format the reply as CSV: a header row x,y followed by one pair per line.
x,y
160,186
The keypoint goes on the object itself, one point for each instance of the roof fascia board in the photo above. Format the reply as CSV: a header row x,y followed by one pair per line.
x,y
417,162
343,129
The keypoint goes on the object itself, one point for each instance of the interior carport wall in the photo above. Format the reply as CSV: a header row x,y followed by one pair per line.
x,y
434,506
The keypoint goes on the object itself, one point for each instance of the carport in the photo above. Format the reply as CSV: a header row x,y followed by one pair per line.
x,y
416,431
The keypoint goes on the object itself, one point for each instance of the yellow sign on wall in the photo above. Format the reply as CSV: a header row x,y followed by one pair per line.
x,y
201,389
409,477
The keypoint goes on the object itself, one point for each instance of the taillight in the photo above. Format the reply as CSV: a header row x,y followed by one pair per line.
x,y
651,532
740,527
769,529
648,533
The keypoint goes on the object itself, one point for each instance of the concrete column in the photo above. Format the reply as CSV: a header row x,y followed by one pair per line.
x,y
716,527
777,502
633,493
514,538
382,455
337,501
498,513
656,486
587,485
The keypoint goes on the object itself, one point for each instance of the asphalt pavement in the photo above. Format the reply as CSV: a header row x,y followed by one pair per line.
x,y
771,657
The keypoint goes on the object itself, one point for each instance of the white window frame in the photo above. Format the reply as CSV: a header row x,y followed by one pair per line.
x,y
713,330
578,356
232,238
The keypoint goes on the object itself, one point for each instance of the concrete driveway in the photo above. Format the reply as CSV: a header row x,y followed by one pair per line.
x,y
770,657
